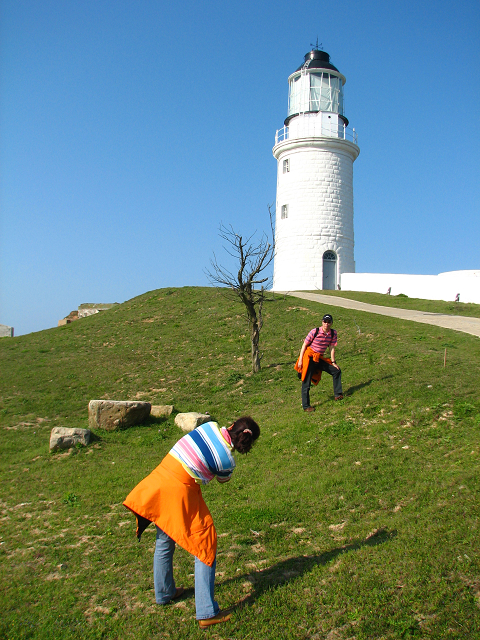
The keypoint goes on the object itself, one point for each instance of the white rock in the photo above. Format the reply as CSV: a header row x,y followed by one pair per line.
x,y
161,410
189,421
65,438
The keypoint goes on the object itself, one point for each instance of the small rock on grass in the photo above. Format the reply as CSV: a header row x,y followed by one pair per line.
x,y
65,438
161,410
190,421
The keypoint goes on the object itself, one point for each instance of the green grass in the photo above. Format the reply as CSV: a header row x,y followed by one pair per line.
x,y
357,521
403,302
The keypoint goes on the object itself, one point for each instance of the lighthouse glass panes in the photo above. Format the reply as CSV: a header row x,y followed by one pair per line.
x,y
315,91
294,95
325,93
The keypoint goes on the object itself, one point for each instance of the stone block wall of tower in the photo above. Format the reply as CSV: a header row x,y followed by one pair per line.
x,y
318,192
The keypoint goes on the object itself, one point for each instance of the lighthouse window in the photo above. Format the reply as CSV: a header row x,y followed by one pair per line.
x,y
284,211
286,165
326,93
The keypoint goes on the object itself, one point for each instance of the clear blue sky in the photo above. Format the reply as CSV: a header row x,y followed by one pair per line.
x,y
131,129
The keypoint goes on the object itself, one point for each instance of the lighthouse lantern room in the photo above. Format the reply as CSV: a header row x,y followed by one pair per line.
x,y
315,151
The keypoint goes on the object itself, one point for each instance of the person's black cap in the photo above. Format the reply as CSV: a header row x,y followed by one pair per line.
x,y
327,318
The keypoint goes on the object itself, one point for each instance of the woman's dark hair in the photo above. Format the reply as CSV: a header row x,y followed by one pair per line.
x,y
240,434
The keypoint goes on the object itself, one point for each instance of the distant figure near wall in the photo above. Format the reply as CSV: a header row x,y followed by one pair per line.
x,y
6,331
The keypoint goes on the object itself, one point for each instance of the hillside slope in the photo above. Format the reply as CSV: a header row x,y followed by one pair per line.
x,y
358,521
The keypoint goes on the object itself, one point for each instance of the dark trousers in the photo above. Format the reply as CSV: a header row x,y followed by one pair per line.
x,y
320,366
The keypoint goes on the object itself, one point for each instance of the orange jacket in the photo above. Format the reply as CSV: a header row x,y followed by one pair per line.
x,y
316,357
172,499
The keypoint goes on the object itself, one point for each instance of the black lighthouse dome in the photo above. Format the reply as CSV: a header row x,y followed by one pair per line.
x,y
316,59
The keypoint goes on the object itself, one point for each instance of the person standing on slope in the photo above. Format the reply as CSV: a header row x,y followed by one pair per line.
x,y
311,361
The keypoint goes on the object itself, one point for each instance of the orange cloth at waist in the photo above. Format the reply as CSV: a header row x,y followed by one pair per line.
x,y
172,499
316,357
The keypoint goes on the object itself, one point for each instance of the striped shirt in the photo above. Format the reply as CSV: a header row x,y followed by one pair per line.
x,y
206,452
322,340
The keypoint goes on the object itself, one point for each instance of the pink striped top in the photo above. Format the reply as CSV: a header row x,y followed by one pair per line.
x,y
322,340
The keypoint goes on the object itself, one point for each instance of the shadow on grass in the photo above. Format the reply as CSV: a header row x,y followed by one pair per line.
x,y
152,420
293,568
351,390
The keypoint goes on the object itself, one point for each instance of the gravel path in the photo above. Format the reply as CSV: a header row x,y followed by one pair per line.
x,y
458,323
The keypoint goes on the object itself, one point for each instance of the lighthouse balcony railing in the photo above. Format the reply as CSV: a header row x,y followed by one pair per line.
x,y
317,130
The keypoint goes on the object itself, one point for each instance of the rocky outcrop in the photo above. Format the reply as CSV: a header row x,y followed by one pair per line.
x,y
65,438
72,316
6,331
189,421
161,410
89,309
116,414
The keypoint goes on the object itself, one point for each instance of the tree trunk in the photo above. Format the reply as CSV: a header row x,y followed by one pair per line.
x,y
255,339
254,329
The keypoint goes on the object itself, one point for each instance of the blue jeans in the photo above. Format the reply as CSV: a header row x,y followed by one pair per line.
x,y
205,605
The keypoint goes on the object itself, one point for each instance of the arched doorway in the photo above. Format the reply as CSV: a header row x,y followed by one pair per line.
x,y
329,270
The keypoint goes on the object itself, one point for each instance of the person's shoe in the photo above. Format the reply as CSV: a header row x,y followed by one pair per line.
x,y
340,397
222,616
178,592
309,409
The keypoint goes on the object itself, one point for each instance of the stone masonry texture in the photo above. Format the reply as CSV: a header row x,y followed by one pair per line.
x,y
318,190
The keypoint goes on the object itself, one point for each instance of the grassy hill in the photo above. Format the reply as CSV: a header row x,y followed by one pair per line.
x,y
357,521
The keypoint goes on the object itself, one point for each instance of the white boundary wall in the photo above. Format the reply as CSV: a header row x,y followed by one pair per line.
x,y
444,286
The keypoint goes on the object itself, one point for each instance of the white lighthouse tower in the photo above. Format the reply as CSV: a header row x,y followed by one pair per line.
x,y
315,151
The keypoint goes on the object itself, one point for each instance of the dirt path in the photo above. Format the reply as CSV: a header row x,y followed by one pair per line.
x,y
458,323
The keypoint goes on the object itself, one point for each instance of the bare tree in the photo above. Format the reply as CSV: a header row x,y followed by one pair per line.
x,y
249,284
